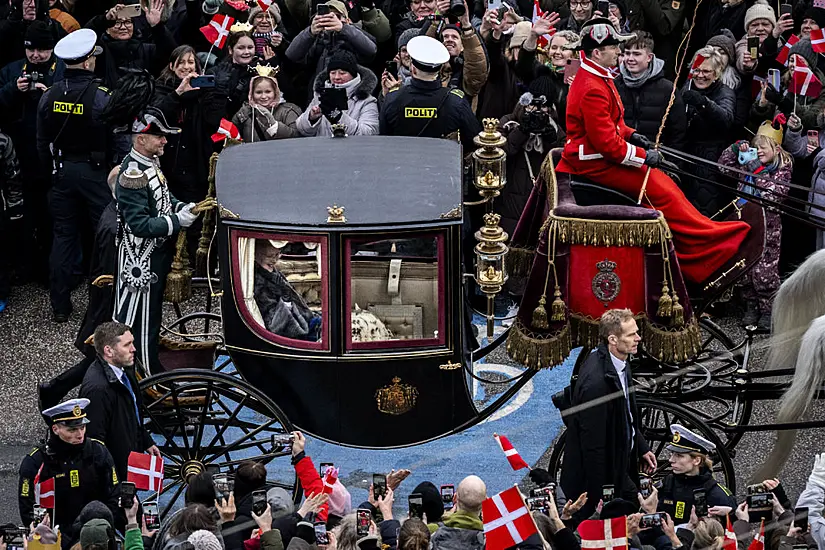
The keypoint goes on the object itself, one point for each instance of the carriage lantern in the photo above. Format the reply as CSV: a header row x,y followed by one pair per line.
x,y
490,252
489,167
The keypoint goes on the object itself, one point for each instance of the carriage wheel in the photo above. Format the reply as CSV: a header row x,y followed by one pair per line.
x,y
210,421
656,417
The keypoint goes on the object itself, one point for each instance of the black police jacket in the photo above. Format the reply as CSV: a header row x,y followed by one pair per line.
x,y
427,109
82,473
676,494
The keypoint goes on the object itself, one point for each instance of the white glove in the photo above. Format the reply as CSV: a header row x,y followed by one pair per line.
x,y
817,476
186,217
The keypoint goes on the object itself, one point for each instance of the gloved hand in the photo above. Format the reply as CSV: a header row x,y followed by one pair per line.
x,y
540,477
305,531
817,476
640,140
692,97
772,95
211,7
654,159
186,217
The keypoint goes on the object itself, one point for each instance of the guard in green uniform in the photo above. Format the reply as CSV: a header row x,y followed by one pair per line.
x,y
82,470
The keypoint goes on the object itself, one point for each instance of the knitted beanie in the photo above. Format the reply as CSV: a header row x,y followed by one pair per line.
x,y
542,85
726,41
521,32
760,10
407,35
39,36
804,48
343,60
817,14
204,540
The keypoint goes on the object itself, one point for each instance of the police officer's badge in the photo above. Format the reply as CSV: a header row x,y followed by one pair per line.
x,y
77,411
677,437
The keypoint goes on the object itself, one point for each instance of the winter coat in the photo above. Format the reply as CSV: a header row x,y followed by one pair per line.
x,y
813,498
713,16
459,531
503,88
12,32
772,187
315,50
284,311
817,198
469,71
259,123
129,54
232,85
596,451
361,118
645,102
111,414
767,56
528,68
708,133
407,22
181,542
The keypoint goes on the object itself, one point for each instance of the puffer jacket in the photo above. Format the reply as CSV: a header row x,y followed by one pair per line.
x,y
708,133
645,104
361,118
459,531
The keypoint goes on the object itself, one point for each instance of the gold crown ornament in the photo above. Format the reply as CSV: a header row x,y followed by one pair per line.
x,y
396,398
766,129
241,27
266,70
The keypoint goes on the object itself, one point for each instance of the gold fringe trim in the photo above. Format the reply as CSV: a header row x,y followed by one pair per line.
x,y
519,261
672,346
609,232
585,331
178,345
179,281
538,351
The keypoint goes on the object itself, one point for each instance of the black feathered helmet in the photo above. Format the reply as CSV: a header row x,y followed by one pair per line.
x,y
129,111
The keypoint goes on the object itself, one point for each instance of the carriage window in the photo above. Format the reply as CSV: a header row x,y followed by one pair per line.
x,y
395,291
282,280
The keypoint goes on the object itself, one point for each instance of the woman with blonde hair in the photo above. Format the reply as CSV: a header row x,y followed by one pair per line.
x,y
266,115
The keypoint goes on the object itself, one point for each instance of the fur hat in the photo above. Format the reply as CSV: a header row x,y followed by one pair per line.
x,y
760,10
343,60
521,32
408,35
204,540
726,41
804,49
274,12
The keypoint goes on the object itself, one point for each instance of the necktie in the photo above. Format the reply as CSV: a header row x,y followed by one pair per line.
x,y
125,381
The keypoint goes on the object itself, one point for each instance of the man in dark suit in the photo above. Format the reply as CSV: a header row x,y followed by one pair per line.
x,y
604,443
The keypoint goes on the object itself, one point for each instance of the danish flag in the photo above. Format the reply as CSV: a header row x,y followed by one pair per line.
x,y
226,130
804,82
598,534
515,460
507,520
217,31
145,471
730,537
264,4
696,63
785,50
330,478
758,542
538,14
43,491
818,40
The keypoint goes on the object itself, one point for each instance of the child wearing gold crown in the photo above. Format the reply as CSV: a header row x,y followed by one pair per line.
x,y
771,167
266,115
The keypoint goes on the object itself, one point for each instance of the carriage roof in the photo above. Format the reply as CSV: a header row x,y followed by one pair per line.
x,y
378,179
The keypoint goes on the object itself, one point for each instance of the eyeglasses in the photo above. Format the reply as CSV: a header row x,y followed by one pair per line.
x,y
581,5
123,23
704,72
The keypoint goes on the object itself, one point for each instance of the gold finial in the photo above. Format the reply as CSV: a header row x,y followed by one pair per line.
x,y
336,214
491,219
490,137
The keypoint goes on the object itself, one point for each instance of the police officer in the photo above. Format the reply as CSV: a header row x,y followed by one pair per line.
x,y
691,473
72,138
82,470
424,107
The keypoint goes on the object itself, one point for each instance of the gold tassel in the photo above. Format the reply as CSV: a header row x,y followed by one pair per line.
x,y
678,311
665,303
540,315
557,308
179,281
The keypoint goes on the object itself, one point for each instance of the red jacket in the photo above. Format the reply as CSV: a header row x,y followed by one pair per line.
x,y
312,483
595,120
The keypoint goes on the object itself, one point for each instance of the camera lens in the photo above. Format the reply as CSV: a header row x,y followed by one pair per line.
x,y
457,8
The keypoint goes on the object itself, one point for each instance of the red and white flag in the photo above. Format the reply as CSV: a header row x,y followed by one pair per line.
x,y
696,63
145,471
515,460
804,82
264,4
758,542
507,520
43,491
818,40
544,39
226,130
330,478
730,536
785,50
598,534
217,31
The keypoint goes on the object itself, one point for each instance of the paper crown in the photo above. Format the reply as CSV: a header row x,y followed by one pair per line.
x,y
766,129
241,27
265,70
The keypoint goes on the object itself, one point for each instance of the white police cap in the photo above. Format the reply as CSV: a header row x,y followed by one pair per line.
x,y
71,413
77,46
427,53
685,441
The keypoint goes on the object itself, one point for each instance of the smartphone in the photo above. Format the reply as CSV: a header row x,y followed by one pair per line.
x,y
773,79
223,485
800,519
150,515
128,11
203,81
379,485
336,97
127,494
321,536
760,501
493,5
538,504
701,503
38,514
392,68
604,7
324,467
547,491
785,8
416,504
362,522
323,9
259,502
753,46
645,486
447,492
813,138
651,520
607,493
571,68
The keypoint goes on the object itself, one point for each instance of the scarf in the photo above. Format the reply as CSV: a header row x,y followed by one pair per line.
x,y
750,181
655,67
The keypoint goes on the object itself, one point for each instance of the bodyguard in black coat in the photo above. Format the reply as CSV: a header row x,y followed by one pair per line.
x,y
113,412
604,445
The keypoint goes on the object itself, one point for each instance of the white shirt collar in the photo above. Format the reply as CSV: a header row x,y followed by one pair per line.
x,y
619,364
119,372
